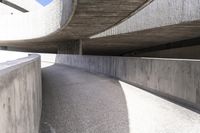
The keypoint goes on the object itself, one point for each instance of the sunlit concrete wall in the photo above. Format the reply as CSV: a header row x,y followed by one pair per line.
x,y
30,5
6,10
35,24
174,79
20,95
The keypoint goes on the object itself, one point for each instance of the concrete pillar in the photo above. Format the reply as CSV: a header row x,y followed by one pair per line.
x,y
3,48
71,47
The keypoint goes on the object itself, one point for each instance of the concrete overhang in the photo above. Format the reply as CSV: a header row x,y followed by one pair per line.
x,y
35,24
128,25
64,20
161,22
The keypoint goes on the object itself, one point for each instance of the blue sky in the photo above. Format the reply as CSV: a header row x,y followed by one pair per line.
x,y
44,2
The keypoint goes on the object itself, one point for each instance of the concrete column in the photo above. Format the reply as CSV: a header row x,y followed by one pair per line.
x,y
3,47
71,47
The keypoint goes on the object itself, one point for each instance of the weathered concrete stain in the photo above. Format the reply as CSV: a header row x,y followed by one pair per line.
x,y
20,95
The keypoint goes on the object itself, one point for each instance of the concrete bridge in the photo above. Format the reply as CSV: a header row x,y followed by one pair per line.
x,y
121,66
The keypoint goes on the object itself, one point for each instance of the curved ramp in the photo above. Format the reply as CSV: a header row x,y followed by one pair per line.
x,y
75,101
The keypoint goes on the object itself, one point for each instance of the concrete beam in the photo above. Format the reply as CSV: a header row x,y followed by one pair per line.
x,y
191,52
119,44
174,45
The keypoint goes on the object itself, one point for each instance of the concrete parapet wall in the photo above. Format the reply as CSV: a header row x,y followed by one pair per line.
x,y
177,79
20,95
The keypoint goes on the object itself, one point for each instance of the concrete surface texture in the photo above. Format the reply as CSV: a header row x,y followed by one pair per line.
x,y
71,47
127,26
170,77
127,43
30,5
161,22
158,14
92,17
79,19
184,53
20,95
35,24
6,10
75,101
84,18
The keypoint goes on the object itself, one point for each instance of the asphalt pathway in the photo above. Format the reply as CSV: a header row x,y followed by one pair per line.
x,y
75,101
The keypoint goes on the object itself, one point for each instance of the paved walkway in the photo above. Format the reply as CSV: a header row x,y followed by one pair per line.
x,y
75,101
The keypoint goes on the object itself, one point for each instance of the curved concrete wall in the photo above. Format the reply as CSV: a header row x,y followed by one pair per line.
x,y
159,13
35,24
20,95
174,79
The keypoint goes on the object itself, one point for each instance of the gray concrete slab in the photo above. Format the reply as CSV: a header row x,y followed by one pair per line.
x,y
161,22
75,101
92,17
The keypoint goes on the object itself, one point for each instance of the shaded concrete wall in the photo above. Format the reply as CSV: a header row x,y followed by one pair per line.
x,y
174,79
184,53
70,47
20,95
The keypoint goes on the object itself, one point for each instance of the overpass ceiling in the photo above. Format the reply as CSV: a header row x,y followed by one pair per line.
x,y
161,22
158,23
84,18
95,16
124,43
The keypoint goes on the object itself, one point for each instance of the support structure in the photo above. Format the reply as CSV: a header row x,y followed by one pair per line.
x,y
70,47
